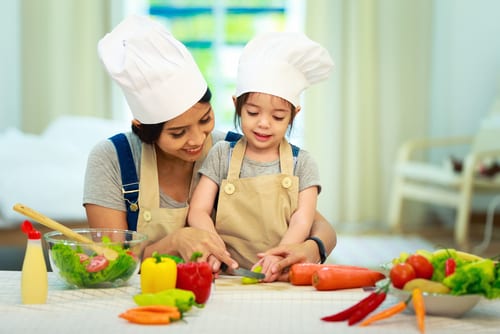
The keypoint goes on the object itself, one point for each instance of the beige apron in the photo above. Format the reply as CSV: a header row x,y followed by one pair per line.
x,y
253,213
154,221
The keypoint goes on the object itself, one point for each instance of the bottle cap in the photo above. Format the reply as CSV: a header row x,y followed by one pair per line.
x,y
30,231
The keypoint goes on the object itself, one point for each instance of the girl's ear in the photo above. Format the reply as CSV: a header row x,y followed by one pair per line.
x,y
234,100
298,109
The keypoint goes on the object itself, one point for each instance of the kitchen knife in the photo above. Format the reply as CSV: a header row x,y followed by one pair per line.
x,y
241,272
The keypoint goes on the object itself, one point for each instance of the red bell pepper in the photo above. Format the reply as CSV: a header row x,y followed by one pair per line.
x,y
196,277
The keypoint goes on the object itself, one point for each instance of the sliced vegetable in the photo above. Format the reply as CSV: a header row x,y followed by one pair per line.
x,y
335,278
97,263
158,273
301,273
152,315
252,280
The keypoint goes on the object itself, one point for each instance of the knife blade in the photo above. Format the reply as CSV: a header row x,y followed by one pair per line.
x,y
241,272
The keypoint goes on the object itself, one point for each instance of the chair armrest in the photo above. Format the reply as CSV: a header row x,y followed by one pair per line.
x,y
411,146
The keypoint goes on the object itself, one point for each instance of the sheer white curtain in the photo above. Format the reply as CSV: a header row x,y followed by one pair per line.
x,y
378,96
61,73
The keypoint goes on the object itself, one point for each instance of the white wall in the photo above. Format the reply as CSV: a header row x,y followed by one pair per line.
x,y
10,100
466,64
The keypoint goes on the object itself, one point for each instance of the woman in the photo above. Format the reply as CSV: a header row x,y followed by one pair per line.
x,y
172,133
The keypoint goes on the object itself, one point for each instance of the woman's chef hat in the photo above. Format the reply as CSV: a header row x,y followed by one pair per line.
x,y
282,64
156,72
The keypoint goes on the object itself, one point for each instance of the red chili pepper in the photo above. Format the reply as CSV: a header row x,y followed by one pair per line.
x,y
196,277
450,266
344,315
366,308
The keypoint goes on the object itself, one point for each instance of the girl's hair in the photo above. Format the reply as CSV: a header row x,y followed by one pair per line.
x,y
149,133
242,99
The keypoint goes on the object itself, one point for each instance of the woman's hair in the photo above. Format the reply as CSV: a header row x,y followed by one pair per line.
x,y
149,133
243,98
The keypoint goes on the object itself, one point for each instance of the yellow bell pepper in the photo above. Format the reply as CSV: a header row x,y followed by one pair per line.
x,y
158,273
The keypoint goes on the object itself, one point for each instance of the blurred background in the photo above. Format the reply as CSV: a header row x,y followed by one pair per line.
x,y
403,69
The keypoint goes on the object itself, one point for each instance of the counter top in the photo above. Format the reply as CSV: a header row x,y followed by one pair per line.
x,y
232,308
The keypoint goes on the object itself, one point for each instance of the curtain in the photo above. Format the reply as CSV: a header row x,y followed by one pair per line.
x,y
377,96
61,73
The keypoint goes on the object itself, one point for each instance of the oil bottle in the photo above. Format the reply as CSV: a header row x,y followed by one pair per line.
x,y
34,277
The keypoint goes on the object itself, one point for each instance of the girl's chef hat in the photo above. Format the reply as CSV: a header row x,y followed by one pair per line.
x,y
282,64
156,72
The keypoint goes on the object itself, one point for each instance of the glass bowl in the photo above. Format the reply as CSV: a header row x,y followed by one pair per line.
x,y
79,265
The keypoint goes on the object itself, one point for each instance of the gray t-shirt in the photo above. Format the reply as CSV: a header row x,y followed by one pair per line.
x,y
103,182
216,167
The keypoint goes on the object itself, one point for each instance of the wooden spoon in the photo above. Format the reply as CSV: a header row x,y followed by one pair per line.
x,y
108,253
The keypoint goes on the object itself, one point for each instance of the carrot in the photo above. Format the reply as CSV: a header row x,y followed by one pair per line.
x,y
152,314
399,307
419,307
301,273
331,278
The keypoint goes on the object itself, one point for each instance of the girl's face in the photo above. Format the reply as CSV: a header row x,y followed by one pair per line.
x,y
264,121
184,136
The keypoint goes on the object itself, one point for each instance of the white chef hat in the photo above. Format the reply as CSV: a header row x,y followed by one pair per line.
x,y
156,72
282,64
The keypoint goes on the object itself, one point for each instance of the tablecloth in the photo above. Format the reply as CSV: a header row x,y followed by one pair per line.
x,y
232,308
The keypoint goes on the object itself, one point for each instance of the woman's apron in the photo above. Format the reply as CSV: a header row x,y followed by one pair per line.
x,y
154,221
253,213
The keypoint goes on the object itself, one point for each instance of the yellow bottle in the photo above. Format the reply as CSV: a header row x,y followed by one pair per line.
x,y
34,278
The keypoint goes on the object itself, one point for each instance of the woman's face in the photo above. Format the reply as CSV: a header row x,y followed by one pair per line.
x,y
183,137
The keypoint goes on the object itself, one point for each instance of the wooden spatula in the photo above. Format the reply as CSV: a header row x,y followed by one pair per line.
x,y
108,253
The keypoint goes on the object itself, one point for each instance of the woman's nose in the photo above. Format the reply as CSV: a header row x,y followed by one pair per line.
x,y
197,138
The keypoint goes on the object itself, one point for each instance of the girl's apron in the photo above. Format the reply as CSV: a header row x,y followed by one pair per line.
x,y
253,213
154,221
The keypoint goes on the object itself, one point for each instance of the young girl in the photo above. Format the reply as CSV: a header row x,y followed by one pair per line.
x,y
267,189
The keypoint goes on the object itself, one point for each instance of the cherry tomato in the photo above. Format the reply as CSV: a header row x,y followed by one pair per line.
x,y
423,268
401,273
97,263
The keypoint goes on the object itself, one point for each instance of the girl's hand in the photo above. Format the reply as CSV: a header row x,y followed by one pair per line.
x,y
290,254
267,262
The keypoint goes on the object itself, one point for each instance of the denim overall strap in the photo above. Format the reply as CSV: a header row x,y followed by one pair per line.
x,y
130,182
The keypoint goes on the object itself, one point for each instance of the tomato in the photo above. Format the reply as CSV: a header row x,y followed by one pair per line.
x,y
97,263
401,273
423,268
83,257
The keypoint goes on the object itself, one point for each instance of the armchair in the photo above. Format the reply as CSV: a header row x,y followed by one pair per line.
x,y
433,184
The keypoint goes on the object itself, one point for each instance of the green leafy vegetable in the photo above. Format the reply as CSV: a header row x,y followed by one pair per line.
x,y
479,277
74,271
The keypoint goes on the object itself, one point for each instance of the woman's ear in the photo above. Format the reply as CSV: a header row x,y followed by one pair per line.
x,y
234,100
136,123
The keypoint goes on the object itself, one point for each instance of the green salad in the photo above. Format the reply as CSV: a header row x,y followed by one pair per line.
x,y
82,270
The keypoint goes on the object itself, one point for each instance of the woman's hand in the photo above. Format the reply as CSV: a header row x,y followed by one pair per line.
x,y
187,240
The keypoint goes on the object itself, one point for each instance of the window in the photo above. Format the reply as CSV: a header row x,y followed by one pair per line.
x,y
216,31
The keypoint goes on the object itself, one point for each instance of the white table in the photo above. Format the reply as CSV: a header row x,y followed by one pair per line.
x,y
232,308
